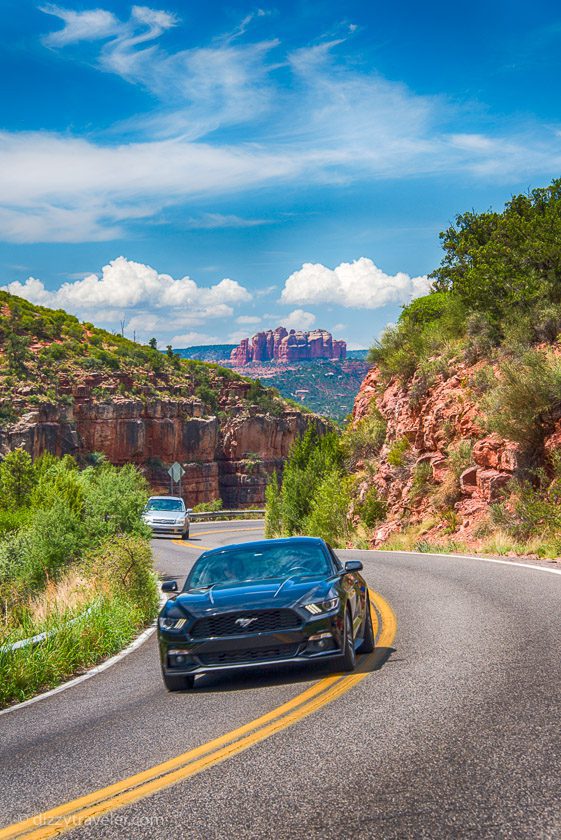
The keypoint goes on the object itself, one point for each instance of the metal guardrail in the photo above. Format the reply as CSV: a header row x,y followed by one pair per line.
x,y
207,515
40,637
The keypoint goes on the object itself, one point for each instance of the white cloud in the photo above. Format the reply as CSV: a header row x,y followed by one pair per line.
x,y
248,319
80,26
360,284
218,220
345,124
56,188
193,339
299,319
125,283
150,302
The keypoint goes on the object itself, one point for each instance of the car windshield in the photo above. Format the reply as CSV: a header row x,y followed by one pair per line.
x,y
258,563
164,504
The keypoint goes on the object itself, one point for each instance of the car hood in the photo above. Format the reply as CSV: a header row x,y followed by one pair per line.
x,y
167,515
269,594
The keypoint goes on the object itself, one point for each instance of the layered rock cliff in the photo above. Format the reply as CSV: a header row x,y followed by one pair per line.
x,y
67,388
281,345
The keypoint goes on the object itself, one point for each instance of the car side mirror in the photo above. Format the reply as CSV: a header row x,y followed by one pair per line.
x,y
169,586
189,510
353,566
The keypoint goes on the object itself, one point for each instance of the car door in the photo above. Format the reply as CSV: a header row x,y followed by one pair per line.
x,y
355,590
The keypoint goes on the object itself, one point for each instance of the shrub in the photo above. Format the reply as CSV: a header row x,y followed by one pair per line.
x,y
534,507
208,507
526,402
422,479
397,452
365,439
372,509
459,459
209,397
424,328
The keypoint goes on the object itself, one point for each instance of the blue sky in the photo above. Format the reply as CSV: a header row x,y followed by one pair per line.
x,y
205,170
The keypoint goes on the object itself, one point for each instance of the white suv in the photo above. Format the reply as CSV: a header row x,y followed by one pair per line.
x,y
167,515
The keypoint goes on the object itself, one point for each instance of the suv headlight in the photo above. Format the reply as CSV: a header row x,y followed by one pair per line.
x,y
322,606
167,623
180,520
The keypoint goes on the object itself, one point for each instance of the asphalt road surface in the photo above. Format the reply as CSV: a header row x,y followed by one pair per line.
x,y
455,732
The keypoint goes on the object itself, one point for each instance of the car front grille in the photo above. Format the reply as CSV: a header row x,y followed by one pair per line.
x,y
233,624
233,657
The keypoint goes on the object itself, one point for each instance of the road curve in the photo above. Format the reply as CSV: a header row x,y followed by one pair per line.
x,y
457,735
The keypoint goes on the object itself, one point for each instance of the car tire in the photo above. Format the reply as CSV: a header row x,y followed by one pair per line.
x,y
185,535
348,659
179,682
367,645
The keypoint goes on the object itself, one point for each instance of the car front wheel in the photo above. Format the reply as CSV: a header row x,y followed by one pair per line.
x,y
348,659
367,645
178,682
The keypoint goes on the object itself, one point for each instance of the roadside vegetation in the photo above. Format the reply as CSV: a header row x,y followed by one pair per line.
x,y
494,309
75,563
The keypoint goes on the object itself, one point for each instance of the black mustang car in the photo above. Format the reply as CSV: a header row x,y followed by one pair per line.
x,y
262,603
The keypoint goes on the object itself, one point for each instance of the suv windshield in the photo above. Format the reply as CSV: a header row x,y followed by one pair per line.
x,y
165,504
258,563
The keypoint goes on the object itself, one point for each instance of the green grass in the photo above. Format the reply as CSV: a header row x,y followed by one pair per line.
x,y
107,629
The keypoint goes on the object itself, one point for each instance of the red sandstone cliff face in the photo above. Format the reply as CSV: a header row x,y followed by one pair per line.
x,y
434,427
282,346
229,458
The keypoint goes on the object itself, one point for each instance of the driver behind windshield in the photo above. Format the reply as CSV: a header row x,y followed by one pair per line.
x,y
263,564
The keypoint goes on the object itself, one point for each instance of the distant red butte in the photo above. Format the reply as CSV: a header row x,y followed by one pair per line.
x,y
280,345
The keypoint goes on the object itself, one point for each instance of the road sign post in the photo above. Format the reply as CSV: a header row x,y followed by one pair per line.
x,y
176,473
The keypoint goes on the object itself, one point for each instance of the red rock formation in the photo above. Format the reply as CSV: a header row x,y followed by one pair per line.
x,y
446,415
282,346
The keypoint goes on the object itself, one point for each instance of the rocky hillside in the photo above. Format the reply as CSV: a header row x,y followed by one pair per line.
x,y
69,388
438,467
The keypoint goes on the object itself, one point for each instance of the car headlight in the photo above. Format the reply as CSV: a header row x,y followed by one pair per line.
x,y
168,623
180,520
322,606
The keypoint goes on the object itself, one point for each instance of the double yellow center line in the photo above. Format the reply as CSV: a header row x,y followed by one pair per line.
x,y
87,808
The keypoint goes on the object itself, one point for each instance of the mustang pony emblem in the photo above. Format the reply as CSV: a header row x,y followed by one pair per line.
x,y
245,622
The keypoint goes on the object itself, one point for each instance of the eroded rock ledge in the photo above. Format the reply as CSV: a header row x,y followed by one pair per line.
x,y
229,458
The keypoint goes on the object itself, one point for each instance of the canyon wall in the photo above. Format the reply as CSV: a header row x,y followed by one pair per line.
x,y
229,458
280,345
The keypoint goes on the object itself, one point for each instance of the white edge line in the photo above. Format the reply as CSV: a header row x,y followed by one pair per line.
x,y
459,557
93,672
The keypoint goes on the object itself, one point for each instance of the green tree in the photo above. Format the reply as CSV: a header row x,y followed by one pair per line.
x,y
499,263
153,344
16,478
17,352
273,515
328,509
311,457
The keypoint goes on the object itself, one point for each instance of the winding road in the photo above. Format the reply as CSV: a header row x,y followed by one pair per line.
x,y
451,730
